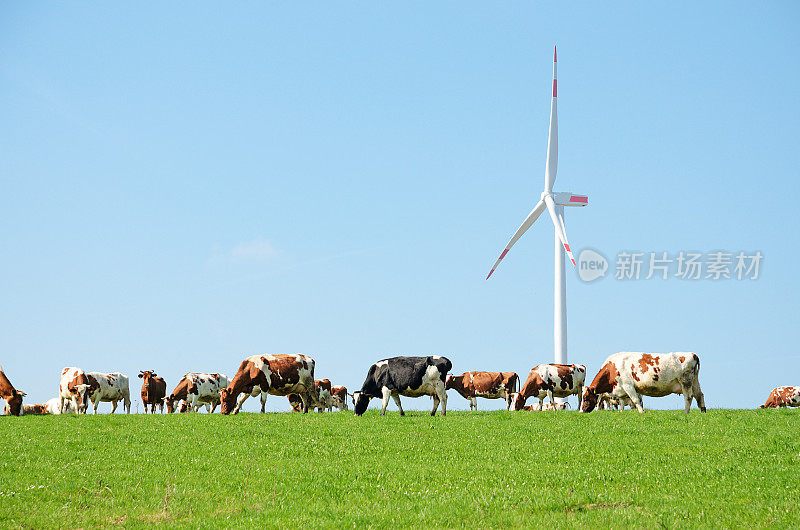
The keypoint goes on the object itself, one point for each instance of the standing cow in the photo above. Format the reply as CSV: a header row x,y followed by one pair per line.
x,y
339,394
551,381
405,376
154,390
323,387
11,395
197,389
279,375
111,387
783,396
632,374
74,390
489,385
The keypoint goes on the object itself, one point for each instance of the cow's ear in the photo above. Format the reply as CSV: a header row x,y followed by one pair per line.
x,y
141,376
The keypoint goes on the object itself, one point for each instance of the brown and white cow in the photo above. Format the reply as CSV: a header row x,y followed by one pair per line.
x,y
113,388
552,381
489,385
323,387
154,390
74,389
11,395
536,407
634,374
783,396
339,394
295,402
197,389
279,375
38,408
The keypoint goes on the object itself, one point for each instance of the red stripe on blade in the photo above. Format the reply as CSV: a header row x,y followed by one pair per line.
x,y
555,56
503,255
573,262
577,198
554,88
490,273
567,247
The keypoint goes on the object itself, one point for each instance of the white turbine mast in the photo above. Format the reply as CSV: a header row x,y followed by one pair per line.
x,y
554,202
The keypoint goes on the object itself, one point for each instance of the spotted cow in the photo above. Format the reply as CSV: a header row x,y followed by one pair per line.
x,y
10,395
634,374
551,381
279,375
535,407
38,408
405,376
323,387
339,394
111,387
783,396
154,390
489,385
197,389
74,389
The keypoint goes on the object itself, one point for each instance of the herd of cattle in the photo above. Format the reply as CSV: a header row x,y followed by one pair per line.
x,y
622,381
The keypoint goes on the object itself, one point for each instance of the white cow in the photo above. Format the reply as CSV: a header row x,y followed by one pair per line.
x,y
73,390
633,374
111,387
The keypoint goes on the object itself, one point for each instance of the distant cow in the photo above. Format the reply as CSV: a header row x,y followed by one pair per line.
x,y
39,408
74,389
783,396
405,376
631,374
551,381
339,394
54,406
323,387
111,387
154,390
257,392
11,395
279,375
197,389
608,402
489,385
535,407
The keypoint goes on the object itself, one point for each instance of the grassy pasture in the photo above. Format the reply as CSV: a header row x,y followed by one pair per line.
x,y
737,468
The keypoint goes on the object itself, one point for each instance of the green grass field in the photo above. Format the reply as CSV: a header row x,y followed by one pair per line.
x,y
496,469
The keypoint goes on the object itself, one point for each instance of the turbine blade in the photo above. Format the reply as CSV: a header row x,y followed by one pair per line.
x,y
558,224
552,138
535,213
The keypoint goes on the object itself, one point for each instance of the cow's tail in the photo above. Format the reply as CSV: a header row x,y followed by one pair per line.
x,y
517,384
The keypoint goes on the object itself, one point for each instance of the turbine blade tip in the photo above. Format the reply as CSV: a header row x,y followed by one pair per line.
x,y
490,274
555,55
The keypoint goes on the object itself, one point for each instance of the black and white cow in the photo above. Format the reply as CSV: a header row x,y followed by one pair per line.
x,y
405,376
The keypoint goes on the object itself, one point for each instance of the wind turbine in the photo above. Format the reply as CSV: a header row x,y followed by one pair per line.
x,y
554,202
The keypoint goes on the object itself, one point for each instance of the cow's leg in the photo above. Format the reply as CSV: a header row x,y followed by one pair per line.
x,y
263,401
552,400
304,398
687,399
435,404
633,395
580,396
443,397
240,402
698,395
113,406
386,394
213,407
95,404
396,397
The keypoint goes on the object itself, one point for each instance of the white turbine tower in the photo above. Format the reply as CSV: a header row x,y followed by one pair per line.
x,y
554,202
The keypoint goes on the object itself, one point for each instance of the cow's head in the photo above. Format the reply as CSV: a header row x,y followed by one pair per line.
x,y
589,399
147,375
360,403
14,403
517,401
183,407
227,400
81,392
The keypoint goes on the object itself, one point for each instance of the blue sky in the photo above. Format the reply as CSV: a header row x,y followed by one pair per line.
x,y
184,185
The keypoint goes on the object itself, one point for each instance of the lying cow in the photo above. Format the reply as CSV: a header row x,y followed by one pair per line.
x,y
489,385
535,407
154,390
54,406
405,376
112,388
631,374
73,389
551,381
38,408
279,375
197,389
323,387
339,394
783,396
11,395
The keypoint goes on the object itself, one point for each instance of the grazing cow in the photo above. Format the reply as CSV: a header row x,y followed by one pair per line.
x,y
154,390
632,374
11,395
783,396
549,381
405,376
279,375
323,387
111,387
197,389
257,392
609,402
183,407
295,402
489,385
74,389
54,406
339,394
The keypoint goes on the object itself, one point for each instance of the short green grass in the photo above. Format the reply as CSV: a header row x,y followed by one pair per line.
x,y
486,469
